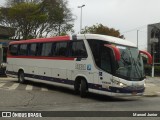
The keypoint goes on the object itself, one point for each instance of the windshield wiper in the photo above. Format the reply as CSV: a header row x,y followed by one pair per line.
x,y
135,63
124,60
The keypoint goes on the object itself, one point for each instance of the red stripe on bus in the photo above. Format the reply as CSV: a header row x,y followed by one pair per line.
x,y
48,58
38,40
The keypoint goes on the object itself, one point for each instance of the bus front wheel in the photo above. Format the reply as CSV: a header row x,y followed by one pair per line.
x,y
21,77
83,88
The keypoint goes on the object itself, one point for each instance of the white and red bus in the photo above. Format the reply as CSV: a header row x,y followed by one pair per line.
x,y
86,62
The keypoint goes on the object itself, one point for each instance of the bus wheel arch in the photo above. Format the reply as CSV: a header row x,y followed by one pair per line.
x,y
81,86
21,76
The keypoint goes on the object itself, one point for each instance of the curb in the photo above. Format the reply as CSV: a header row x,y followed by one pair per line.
x,y
151,95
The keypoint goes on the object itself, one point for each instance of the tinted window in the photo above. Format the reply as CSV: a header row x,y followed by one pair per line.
x,y
105,60
60,49
78,49
13,49
101,54
33,48
22,49
46,49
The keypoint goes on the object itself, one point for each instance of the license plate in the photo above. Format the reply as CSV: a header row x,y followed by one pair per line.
x,y
134,93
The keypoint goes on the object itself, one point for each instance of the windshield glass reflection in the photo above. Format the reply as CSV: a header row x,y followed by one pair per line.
x,y
130,65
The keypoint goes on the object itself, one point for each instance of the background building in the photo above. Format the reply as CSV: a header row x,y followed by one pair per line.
x,y
153,44
5,34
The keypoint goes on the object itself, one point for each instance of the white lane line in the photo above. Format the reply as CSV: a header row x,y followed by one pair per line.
x,y
14,86
29,87
1,84
44,89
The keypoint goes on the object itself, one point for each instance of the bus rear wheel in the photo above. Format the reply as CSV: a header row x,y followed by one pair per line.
x,y
21,77
83,88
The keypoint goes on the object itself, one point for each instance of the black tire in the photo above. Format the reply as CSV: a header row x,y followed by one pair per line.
x,y
83,88
21,77
77,87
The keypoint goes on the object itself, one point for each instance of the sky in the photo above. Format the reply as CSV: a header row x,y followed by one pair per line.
x,y
127,16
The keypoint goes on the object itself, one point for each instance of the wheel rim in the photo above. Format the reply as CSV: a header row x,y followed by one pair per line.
x,y
21,77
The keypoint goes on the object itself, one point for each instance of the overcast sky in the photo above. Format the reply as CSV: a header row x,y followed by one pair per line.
x,y
123,15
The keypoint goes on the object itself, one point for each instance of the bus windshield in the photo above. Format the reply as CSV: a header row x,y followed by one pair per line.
x,y
130,65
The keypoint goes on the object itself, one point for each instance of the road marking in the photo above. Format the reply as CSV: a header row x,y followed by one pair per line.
x,y
44,89
1,84
29,87
14,86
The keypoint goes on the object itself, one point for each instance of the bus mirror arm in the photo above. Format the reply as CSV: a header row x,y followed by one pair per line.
x,y
148,55
115,50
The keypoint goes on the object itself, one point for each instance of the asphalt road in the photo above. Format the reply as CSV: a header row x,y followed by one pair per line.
x,y
40,97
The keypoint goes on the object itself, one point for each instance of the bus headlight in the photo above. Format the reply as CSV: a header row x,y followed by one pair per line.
x,y
120,84
3,65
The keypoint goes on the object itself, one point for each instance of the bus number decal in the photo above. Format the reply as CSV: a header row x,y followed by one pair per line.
x,y
80,66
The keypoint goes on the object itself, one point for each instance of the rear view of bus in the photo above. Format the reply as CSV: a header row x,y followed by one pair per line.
x,y
86,63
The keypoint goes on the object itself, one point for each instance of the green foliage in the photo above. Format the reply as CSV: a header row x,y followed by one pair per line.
x,y
100,29
37,19
148,70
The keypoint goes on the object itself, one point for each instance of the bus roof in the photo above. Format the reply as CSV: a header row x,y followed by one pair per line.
x,y
110,39
52,39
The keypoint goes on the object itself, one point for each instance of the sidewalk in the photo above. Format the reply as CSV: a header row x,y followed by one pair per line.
x,y
152,87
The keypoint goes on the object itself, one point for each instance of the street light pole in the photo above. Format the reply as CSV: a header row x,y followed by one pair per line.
x,y
137,38
81,17
153,60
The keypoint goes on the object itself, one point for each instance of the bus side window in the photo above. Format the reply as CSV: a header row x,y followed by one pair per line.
x,y
46,49
32,49
13,49
61,49
105,60
22,49
77,49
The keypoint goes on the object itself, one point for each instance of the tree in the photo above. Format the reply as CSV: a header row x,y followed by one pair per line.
x,y
104,30
36,18
13,2
24,18
61,19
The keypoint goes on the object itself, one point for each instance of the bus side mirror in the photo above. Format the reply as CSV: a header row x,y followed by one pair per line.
x,y
115,51
148,55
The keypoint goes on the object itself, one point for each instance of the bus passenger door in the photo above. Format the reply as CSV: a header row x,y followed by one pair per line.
x,y
1,54
105,75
